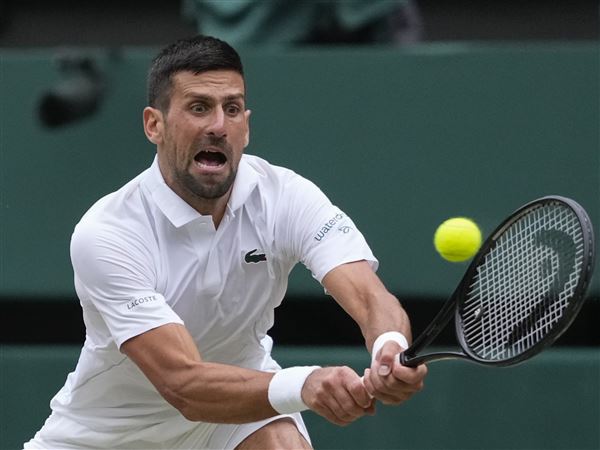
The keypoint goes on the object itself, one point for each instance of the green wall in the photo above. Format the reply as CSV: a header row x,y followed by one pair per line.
x,y
399,138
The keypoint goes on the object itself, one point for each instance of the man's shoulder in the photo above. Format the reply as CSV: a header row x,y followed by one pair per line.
x,y
118,209
264,167
272,175
281,188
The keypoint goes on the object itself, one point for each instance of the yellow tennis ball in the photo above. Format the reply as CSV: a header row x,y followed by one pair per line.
x,y
457,239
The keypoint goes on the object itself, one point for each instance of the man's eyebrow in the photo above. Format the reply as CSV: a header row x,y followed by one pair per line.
x,y
235,97
205,97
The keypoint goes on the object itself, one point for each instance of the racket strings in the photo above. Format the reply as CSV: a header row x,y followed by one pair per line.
x,y
524,283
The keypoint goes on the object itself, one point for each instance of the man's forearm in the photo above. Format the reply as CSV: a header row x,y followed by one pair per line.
x,y
201,391
219,393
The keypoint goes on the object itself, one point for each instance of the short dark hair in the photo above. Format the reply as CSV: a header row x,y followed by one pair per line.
x,y
195,54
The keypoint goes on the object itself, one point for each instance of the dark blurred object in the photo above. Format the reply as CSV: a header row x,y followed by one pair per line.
x,y
78,96
42,23
400,24
270,23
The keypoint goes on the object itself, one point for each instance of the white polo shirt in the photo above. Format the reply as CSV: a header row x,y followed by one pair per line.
x,y
143,257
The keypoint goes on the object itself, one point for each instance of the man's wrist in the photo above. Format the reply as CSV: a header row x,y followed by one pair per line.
x,y
285,389
395,336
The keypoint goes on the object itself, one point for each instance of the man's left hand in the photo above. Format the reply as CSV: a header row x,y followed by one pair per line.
x,y
389,381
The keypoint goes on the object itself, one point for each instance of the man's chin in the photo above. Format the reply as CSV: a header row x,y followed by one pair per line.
x,y
210,190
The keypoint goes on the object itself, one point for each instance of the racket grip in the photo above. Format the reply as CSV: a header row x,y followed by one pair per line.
x,y
405,360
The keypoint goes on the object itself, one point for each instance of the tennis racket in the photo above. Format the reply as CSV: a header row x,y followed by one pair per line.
x,y
521,291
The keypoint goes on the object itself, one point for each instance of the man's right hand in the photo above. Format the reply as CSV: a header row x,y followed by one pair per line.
x,y
338,394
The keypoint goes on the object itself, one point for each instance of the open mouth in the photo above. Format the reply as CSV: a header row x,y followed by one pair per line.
x,y
211,159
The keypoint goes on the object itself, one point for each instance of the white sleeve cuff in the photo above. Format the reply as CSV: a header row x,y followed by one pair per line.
x,y
285,389
388,336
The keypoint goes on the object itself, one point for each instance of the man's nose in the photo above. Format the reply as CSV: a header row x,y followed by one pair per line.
x,y
216,126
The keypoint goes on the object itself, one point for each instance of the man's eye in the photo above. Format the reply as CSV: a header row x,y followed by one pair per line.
x,y
232,110
198,107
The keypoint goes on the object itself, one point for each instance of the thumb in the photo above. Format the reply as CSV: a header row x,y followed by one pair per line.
x,y
388,354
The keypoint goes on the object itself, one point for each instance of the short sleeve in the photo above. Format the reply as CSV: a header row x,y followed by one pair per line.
x,y
320,234
114,270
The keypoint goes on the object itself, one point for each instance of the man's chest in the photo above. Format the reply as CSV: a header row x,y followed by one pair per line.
x,y
216,275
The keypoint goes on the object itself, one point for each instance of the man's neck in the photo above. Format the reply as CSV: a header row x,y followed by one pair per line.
x,y
210,207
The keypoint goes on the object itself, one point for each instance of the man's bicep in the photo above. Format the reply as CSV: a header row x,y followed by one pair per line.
x,y
358,289
353,285
163,352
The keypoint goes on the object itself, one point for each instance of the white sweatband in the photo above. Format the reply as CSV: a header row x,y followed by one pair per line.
x,y
285,389
388,336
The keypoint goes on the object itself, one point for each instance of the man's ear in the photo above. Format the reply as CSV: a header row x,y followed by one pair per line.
x,y
154,125
247,137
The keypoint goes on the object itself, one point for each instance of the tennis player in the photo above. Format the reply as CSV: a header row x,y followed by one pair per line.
x,y
178,274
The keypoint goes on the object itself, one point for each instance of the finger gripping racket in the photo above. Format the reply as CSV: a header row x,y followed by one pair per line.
x,y
522,290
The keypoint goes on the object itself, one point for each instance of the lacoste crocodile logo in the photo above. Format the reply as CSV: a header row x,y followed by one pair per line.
x,y
252,257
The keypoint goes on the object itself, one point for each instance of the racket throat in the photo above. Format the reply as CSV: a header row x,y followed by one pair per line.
x,y
409,358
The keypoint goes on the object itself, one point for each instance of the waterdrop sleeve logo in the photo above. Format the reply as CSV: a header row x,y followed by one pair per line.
x,y
330,226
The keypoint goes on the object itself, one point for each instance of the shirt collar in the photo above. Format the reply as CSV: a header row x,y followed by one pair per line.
x,y
245,182
179,212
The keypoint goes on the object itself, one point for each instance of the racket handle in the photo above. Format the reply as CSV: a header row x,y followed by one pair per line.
x,y
414,361
407,361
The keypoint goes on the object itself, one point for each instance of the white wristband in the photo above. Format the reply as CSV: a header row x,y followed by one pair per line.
x,y
285,389
388,336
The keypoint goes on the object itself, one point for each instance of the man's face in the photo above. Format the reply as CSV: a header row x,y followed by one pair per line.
x,y
203,134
